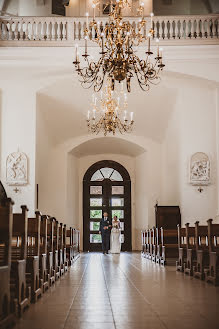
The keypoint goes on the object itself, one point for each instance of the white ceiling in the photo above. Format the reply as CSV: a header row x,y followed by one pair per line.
x,y
109,145
64,107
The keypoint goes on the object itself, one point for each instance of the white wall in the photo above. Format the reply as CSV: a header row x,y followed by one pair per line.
x,y
73,192
18,132
148,189
191,129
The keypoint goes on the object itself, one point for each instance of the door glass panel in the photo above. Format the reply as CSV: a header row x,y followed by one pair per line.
x,y
118,213
96,189
96,202
95,238
95,213
122,226
107,172
117,202
97,176
94,226
116,176
122,238
117,189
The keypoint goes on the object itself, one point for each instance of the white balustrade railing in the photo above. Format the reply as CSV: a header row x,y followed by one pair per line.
x,y
66,30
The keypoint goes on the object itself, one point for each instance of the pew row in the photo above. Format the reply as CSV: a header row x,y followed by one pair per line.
x,y
33,251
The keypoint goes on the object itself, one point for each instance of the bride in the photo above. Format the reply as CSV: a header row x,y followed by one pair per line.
x,y
115,245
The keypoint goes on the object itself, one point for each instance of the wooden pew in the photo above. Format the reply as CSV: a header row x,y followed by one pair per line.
x,y
150,235
143,243
159,245
6,222
69,246
76,243
190,250
182,248
50,244
44,276
147,253
20,291
65,262
212,274
154,244
33,256
56,250
169,240
60,249
202,252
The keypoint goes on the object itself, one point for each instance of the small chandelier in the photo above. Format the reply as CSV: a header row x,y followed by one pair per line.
x,y
118,60
109,114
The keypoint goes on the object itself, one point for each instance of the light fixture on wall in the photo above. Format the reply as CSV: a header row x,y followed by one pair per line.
x,y
109,113
119,60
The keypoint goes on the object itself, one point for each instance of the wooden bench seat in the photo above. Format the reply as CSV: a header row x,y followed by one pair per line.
x,y
60,249
154,244
33,257
212,273
56,250
147,251
169,239
7,318
180,264
65,262
69,246
202,251
143,243
190,250
76,244
159,245
20,291
50,254
44,276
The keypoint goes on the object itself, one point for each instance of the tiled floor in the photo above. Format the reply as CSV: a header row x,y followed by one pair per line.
x,y
124,292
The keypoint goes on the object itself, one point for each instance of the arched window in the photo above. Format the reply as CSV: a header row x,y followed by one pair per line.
x,y
106,173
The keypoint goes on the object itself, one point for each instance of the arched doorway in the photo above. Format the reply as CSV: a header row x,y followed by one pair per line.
x,y
106,187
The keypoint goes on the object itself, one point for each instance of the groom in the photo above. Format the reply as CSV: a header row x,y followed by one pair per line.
x,y
105,229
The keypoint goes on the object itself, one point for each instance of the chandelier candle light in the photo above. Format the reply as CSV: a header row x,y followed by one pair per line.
x,y
109,113
118,60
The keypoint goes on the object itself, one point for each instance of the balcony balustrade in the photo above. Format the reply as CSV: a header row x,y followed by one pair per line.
x,y
65,31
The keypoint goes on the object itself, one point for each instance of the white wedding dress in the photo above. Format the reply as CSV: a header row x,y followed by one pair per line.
x,y
115,244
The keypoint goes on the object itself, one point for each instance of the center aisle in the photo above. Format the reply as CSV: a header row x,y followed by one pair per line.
x,y
124,292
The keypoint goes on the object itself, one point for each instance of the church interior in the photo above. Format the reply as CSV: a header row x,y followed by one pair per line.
x,y
109,176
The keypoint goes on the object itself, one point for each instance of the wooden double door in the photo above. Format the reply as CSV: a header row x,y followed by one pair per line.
x,y
106,188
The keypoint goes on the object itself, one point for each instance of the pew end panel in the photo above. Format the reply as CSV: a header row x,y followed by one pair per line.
x,y
6,221
169,238
190,250
20,292
212,273
202,252
33,257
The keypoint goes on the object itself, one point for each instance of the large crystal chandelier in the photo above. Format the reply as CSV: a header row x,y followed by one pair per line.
x,y
109,113
119,40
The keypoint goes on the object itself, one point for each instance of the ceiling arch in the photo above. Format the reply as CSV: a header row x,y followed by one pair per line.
x,y
108,145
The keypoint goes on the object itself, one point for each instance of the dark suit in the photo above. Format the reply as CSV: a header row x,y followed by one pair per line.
x,y
105,233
